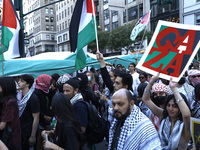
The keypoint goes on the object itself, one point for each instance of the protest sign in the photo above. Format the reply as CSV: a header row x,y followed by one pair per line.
x,y
194,129
171,50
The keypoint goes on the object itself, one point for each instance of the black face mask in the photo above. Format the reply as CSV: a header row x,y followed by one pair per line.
x,y
159,100
181,81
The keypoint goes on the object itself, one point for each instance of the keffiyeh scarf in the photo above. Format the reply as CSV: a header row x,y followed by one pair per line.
x,y
170,142
22,103
137,132
77,97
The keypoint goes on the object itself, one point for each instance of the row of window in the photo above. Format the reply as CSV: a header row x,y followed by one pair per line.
x,y
50,37
49,10
62,38
49,19
62,4
64,13
63,25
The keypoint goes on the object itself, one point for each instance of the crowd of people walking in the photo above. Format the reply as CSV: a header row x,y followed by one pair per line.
x,y
140,111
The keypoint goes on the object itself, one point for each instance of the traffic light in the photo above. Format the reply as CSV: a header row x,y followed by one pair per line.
x,y
17,5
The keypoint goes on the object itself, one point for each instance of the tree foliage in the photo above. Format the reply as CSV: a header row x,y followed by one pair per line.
x,y
119,38
103,38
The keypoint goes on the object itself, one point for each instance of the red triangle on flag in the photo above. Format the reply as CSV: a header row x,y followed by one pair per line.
x,y
9,18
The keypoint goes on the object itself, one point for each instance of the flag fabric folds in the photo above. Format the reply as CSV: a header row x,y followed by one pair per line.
x,y
82,30
10,31
140,25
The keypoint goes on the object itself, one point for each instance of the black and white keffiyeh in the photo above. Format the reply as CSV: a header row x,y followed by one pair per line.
x,y
137,132
77,97
170,141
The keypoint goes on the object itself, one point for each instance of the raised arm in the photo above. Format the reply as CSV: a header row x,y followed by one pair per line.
x,y
146,98
105,75
185,111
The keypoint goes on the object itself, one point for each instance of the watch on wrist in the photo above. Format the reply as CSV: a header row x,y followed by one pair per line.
x,y
178,100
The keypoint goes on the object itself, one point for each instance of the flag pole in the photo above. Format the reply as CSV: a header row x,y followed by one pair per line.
x,y
93,12
2,61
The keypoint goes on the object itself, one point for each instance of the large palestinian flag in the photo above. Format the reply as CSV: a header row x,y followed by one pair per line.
x,y
10,31
82,30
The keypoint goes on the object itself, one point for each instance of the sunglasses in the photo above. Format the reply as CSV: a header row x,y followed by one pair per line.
x,y
141,77
196,76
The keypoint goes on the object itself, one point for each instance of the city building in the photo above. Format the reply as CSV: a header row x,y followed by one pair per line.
x,y
191,14
167,10
40,26
64,11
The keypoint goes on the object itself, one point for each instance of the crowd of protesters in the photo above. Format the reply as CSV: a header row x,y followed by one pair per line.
x,y
143,111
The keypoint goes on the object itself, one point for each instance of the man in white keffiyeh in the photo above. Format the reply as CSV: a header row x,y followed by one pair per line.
x,y
131,129
29,109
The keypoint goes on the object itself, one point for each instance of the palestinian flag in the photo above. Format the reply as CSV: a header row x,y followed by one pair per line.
x,y
82,30
10,31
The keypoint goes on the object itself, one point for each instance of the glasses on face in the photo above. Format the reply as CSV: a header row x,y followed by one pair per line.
x,y
141,77
196,76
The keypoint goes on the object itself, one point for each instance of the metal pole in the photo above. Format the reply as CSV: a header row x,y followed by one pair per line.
x,y
22,54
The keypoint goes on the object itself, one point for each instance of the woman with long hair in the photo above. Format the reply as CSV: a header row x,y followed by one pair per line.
x,y
174,130
68,132
9,112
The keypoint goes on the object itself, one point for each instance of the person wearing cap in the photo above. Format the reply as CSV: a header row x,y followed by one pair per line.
x,y
71,89
194,76
174,130
158,95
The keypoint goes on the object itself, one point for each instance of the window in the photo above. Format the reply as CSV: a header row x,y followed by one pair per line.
x,y
68,21
52,27
46,10
59,16
71,8
140,10
65,12
49,48
114,25
60,39
105,2
114,13
107,28
47,37
51,19
46,1
60,27
68,10
106,14
47,19
51,11
50,1
62,14
65,37
132,13
124,16
47,27
63,26
52,37
198,19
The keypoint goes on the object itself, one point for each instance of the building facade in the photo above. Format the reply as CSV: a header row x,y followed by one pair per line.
x,y
40,27
64,11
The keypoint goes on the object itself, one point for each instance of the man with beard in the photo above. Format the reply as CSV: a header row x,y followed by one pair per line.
x,y
131,129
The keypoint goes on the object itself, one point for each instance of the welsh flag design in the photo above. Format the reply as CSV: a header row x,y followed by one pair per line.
x,y
82,30
10,31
